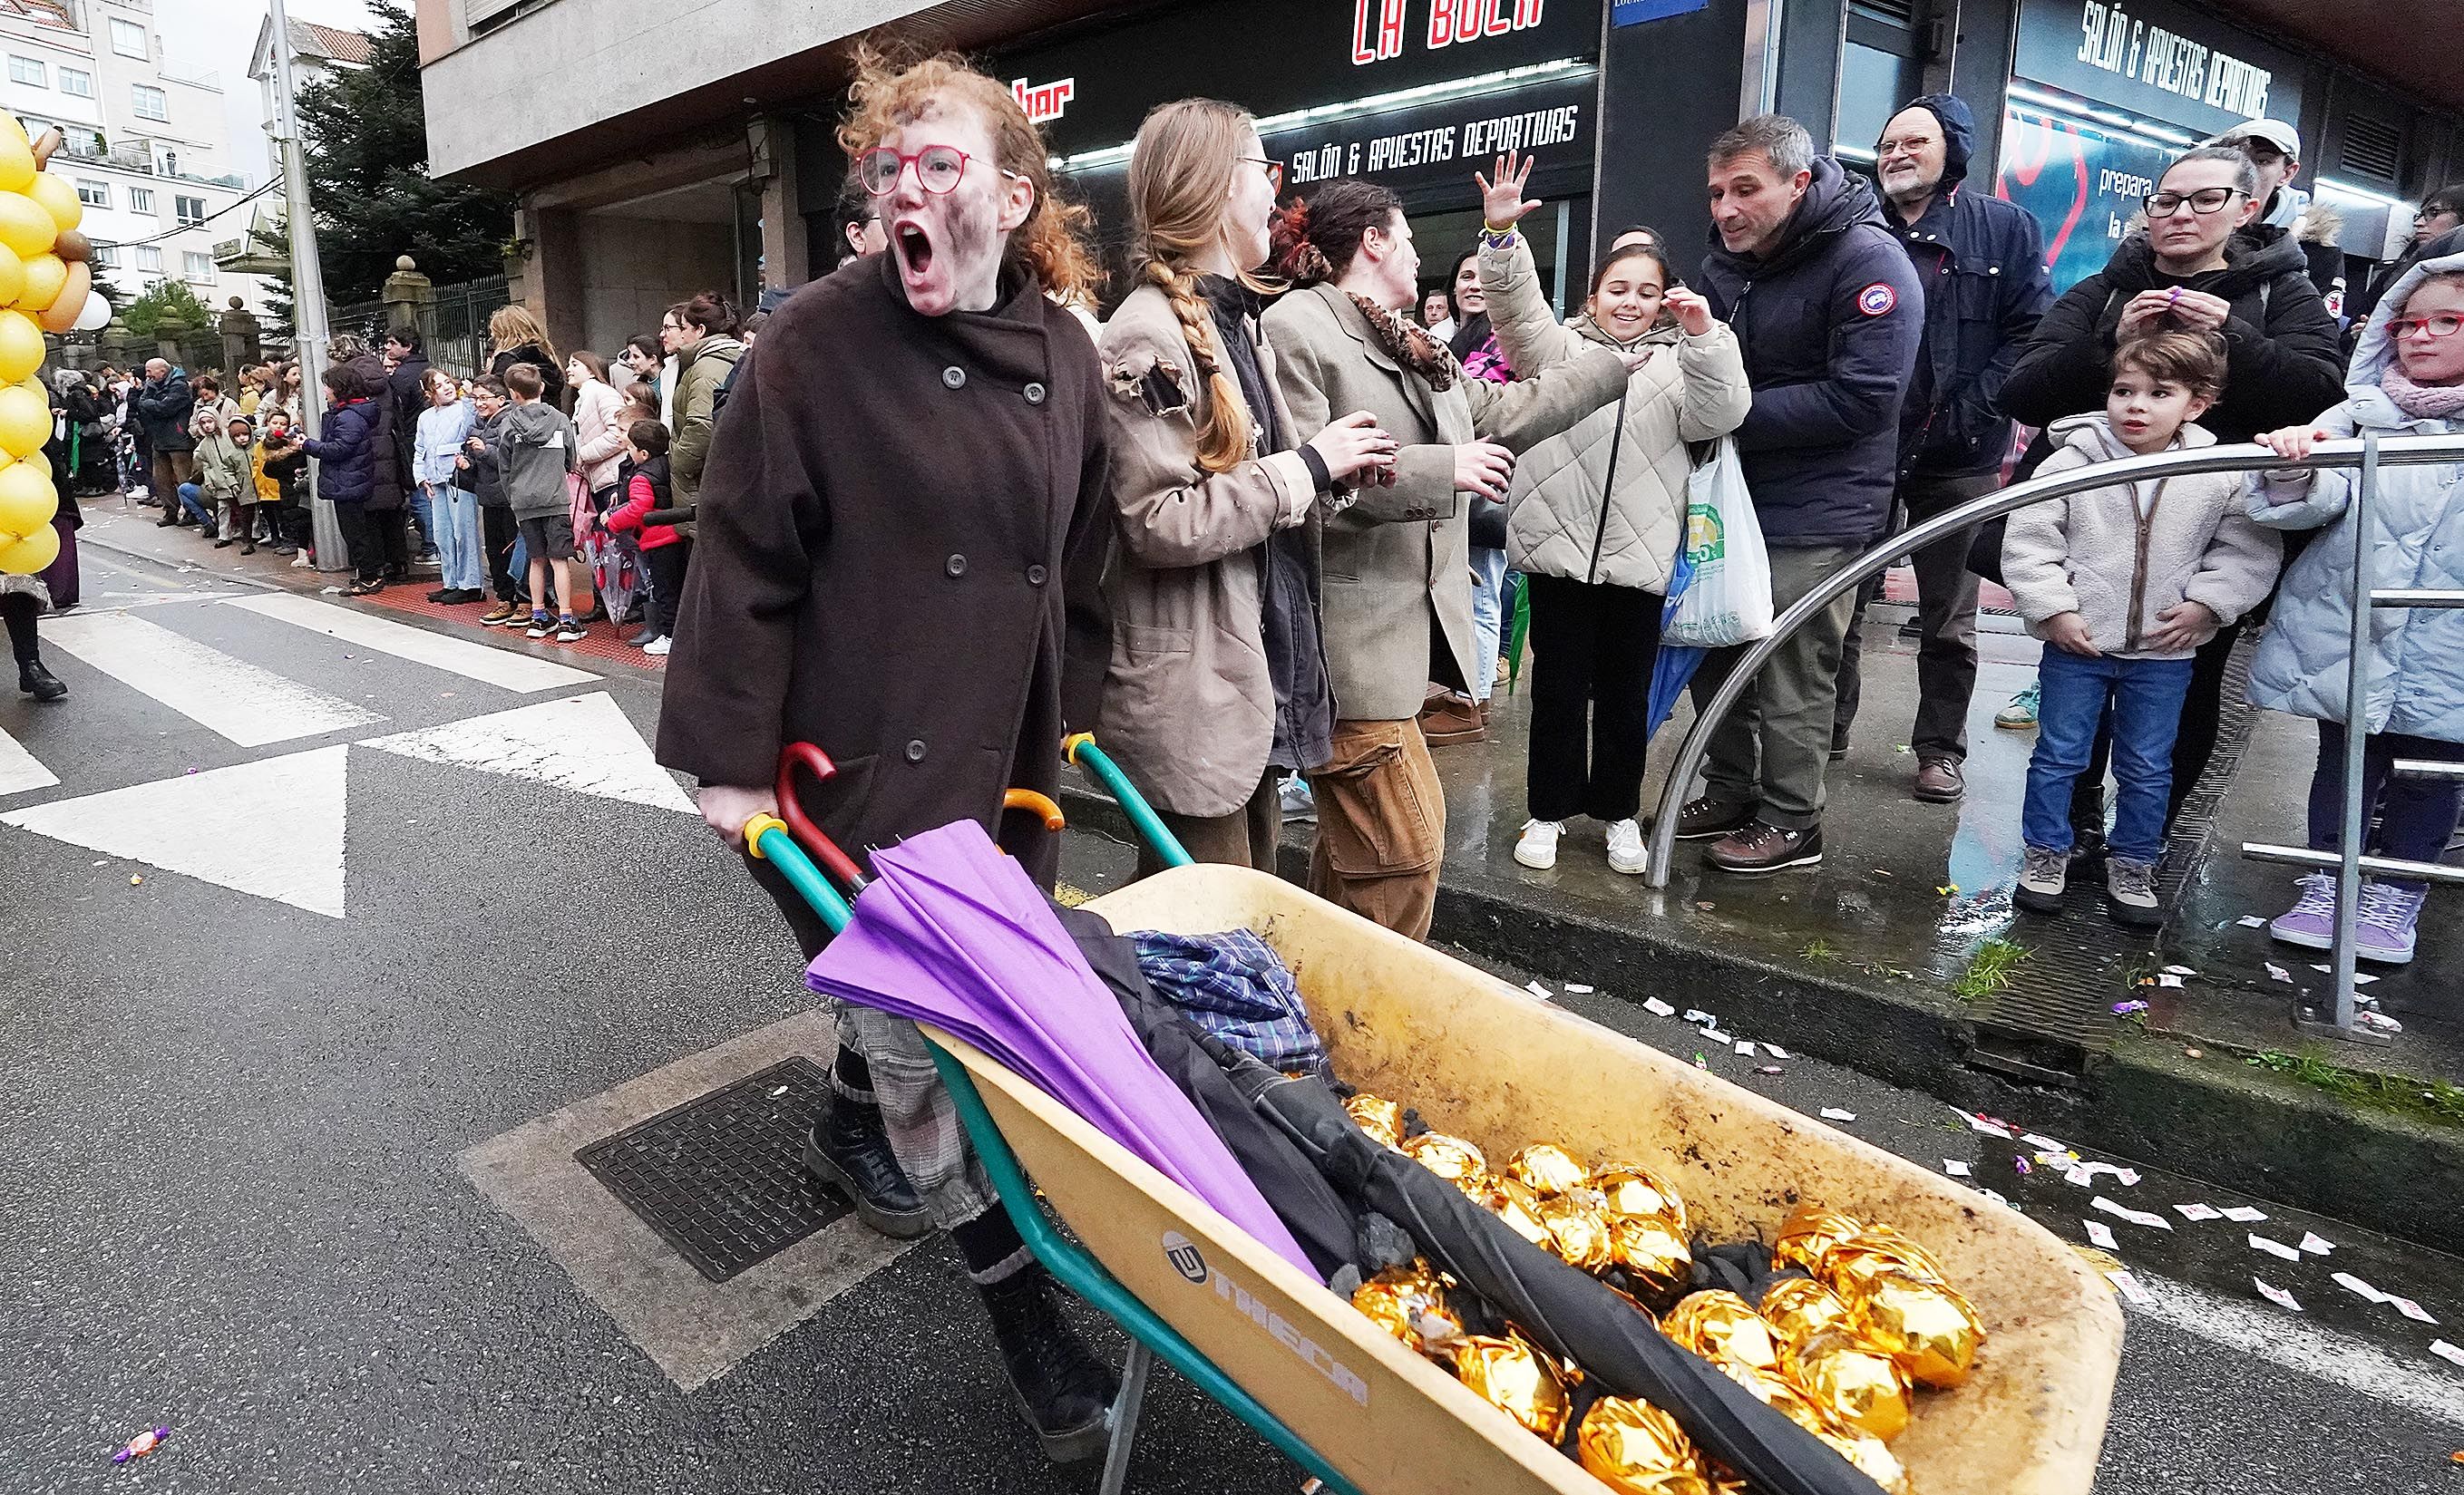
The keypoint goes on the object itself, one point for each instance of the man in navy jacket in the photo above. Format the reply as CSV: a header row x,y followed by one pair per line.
x,y
1982,261
1829,313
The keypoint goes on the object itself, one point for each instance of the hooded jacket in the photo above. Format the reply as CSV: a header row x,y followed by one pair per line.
x,y
1604,500
163,408
347,453
2120,555
2285,362
2417,666
1829,322
1982,261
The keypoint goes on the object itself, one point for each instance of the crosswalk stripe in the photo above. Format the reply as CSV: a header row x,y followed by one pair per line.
x,y
249,705
20,772
495,667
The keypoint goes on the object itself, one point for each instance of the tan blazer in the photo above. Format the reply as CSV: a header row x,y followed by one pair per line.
x,y
1189,708
1397,555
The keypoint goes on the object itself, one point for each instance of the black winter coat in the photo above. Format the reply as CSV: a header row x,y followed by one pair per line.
x,y
900,559
386,474
408,399
162,413
2285,358
551,373
348,454
1829,322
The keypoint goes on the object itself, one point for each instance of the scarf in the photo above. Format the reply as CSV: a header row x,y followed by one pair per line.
x,y
1410,344
2422,401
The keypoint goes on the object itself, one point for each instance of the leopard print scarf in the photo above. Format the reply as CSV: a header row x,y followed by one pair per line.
x,y
1410,344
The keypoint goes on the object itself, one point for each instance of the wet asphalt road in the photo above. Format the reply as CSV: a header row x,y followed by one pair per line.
x,y
234,1209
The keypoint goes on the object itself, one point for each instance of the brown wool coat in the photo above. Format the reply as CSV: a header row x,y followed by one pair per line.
x,y
903,532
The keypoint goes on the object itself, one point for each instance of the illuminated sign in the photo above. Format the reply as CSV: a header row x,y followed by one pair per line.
x,y
1378,26
1044,103
2115,41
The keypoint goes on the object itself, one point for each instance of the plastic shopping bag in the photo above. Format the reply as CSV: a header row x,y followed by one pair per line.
x,y
1727,596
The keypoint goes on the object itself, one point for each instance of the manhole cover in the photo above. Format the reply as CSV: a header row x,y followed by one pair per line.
x,y
722,1178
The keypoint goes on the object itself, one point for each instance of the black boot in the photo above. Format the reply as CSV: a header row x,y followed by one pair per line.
x,y
38,682
847,1149
1062,1388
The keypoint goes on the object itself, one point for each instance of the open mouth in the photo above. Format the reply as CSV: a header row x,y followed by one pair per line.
x,y
913,248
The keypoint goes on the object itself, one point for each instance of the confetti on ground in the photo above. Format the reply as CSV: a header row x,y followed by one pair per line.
x,y
2273,1248
1775,1051
2277,1295
1745,1048
2102,1234
1997,1198
1835,1113
2277,973
1700,1063
2196,1211
2362,978
2359,1289
1723,1040
1579,988
1956,1168
2127,1009
1539,991
2047,1143
1658,1008
2129,1176
1979,1122
2135,1217
2315,1244
2244,1215
2021,1164
2168,980
2412,1311
2447,1352
1705,905
1698,1014
2179,970
1948,889
2129,1287
1768,1069
133,881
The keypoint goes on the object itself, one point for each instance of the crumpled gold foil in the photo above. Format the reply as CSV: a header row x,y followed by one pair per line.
x,y
1631,1189
1632,1446
1381,1119
1651,1250
1872,1460
1515,1377
1513,1203
1410,1304
1855,1381
1638,1303
1850,1266
1718,1325
1451,1159
1577,1233
1796,1306
1808,1232
1545,1168
1926,1326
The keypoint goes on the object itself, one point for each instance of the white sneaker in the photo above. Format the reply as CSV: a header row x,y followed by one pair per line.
x,y
1625,848
658,645
301,561
1537,847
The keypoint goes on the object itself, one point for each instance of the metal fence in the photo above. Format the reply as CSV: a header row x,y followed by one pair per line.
x,y
453,328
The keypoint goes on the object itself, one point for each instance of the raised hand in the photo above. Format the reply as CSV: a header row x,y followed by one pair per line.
x,y
1501,200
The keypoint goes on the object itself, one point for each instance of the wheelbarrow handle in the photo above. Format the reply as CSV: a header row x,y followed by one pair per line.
x,y
809,756
1080,748
1043,809
767,837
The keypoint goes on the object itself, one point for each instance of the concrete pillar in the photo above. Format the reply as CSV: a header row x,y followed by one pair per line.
x,y
785,257
241,346
409,299
552,282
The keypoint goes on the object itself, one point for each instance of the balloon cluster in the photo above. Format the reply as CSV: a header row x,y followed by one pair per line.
x,y
46,285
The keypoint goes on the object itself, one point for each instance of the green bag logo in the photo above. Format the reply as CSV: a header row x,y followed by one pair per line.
x,y
1705,540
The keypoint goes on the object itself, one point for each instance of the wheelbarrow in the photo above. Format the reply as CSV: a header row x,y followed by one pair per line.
x,y
1487,1062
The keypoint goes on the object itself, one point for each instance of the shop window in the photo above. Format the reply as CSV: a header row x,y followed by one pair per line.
x,y
149,104
27,70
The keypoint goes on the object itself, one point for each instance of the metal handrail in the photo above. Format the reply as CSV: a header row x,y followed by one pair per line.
x,y
2242,456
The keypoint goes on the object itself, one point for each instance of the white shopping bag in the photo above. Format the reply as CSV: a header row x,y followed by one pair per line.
x,y
1727,596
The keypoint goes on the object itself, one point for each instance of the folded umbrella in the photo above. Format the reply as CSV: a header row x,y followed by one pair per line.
x,y
1676,662
954,933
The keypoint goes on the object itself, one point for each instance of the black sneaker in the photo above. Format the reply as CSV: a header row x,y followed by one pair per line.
x,y
846,1149
1065,1392
1707,820
445,594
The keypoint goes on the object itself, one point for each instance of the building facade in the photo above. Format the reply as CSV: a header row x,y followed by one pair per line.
x,y
660,155
145,141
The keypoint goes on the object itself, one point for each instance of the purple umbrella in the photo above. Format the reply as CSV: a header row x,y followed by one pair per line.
x,y
954,933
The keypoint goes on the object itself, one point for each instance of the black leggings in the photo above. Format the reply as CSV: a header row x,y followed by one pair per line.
x,y
666,565
20,609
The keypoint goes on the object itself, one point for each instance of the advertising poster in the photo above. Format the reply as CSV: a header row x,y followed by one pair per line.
x,y
2083,183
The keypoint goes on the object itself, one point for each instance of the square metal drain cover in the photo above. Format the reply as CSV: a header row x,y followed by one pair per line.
x,y
722,1178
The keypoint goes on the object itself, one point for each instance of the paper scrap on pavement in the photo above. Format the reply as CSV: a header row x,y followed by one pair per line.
x,y
2078,1177
2252,921
2362,978
2277,1295
2412,1311
2447,1352
2047,1143
1991,1129
2196,1211
2135,1217
2129,1287
2244,1215
2179,970
1579,988
2359,1289
2167,978
2315,1244
2277,973
1658,1008
1698,1014
1956,1168
1539,991
2275,1249
1745,1049
2102,1234
2129,1176
1997,1196
1835,1113
1723,1040
1775,1050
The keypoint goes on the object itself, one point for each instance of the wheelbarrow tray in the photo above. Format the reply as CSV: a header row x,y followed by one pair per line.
x,y
1488,1062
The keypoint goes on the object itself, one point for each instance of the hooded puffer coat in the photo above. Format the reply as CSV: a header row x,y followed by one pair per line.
x,y
1604,502
2416,665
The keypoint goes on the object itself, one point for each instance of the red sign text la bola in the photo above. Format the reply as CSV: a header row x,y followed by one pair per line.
x,y
1377,26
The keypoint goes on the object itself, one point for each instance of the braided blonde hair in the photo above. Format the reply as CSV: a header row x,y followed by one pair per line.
x,y
1180,171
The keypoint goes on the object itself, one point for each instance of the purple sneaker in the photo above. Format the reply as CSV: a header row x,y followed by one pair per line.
x,y
2311,922
2384,931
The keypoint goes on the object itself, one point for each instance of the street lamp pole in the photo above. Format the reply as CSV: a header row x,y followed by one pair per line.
x,y
307,283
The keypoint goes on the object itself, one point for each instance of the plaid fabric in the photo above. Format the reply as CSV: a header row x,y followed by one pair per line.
x,y
925,1134
1237,988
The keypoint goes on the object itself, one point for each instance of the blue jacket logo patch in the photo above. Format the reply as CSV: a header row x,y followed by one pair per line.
x,y
1877,298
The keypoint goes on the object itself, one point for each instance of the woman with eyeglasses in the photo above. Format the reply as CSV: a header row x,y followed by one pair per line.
x,y
2192,267
1218,685
2441,212
2407,379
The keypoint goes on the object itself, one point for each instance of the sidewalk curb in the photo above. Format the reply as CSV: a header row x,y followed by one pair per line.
x,y
2215,1119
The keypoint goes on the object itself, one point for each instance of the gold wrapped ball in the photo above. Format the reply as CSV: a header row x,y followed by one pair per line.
x,y
1513,1376
1577,1233
1718,1325
1516,1206
1855,1381
1796,1306
1381,1119
1848,1264
1451,1159
1631,1189
1808,1232
1927,1327
1652,1251
1872,1460
1545,1168
1634,1447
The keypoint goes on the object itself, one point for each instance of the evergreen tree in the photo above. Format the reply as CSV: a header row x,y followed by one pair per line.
x,y
366,134
172,301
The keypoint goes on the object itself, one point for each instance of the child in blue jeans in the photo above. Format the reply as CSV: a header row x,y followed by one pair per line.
x,y
2124,583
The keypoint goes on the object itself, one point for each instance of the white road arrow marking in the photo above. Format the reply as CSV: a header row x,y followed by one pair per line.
x,y
584,743
249,705
497,666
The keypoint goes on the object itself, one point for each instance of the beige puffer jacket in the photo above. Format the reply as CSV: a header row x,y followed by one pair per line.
x,y
1605,501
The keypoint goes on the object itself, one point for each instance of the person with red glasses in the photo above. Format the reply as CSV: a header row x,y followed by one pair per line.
x,y
2407,379
903,523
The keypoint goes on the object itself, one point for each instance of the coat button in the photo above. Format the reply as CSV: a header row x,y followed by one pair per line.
x,y
915,751
1035,575
954,376
1035,394
956,565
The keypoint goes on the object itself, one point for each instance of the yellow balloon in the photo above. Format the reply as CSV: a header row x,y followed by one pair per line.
x,y
12,276
25,227
58,199
25,425
33,384
45,275
26,498
16,160
31,554
21,343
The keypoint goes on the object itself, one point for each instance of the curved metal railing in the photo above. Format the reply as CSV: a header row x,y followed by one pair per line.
x,y
2249,457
